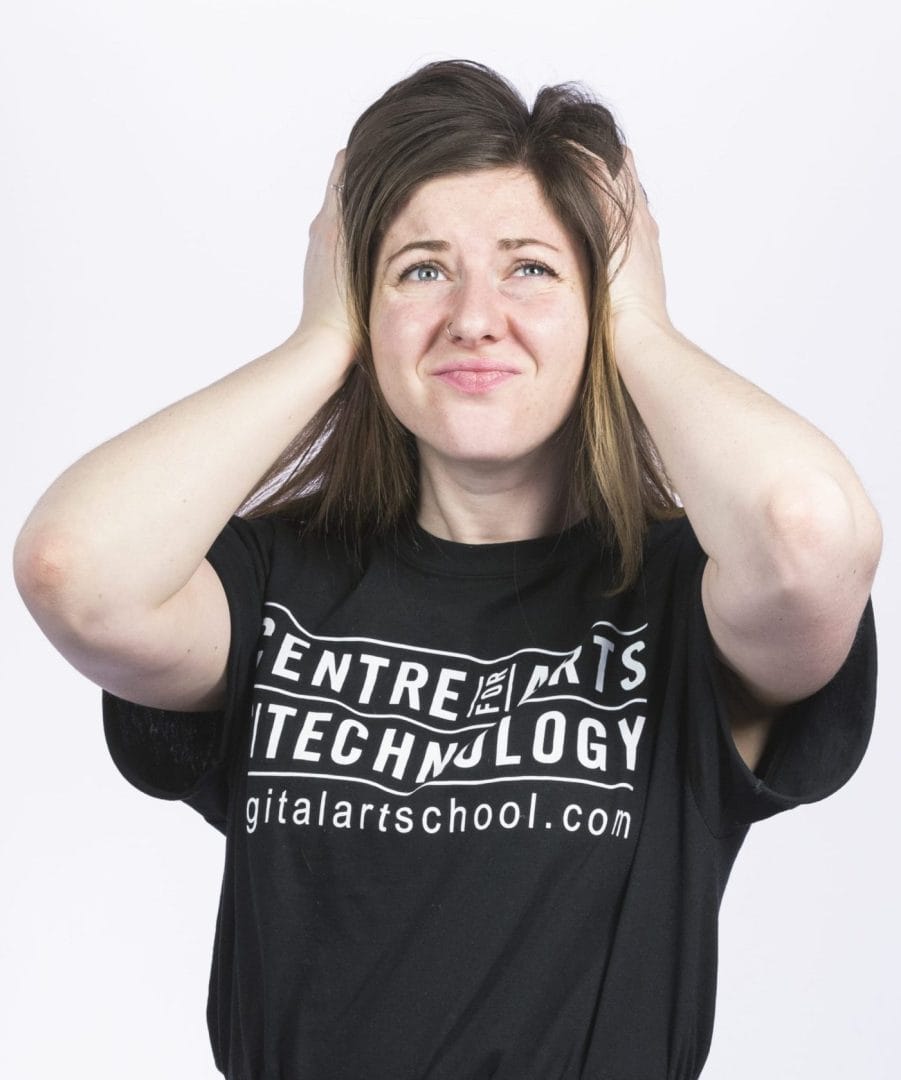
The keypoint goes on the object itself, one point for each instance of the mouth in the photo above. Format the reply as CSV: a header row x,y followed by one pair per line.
x,y
475,376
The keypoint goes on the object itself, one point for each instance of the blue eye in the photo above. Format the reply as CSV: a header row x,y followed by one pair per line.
x,y
421,272
535,269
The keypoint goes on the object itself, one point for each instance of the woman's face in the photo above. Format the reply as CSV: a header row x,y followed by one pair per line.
x,y
479,318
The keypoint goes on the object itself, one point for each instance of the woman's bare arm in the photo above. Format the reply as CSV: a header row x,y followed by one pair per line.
x,y
792,539
111,560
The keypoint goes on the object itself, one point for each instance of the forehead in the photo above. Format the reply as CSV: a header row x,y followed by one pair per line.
x,y
501,202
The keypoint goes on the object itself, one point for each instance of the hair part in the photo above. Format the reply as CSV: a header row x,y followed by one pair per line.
x,y
352,472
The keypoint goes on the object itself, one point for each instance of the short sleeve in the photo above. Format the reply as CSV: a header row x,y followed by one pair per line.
x,y
185,755
816,744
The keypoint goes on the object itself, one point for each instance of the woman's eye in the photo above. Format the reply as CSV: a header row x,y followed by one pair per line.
x,y
535,269
422,272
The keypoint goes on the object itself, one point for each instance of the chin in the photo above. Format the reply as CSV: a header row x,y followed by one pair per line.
x,y
481,452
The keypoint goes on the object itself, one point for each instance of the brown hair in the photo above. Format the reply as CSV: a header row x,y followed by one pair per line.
x,y
352,471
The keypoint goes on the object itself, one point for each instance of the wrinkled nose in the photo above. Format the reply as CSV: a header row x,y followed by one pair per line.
x,y
477,314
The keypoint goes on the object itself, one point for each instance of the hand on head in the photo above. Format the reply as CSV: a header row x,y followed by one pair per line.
x,y
324,300
637,285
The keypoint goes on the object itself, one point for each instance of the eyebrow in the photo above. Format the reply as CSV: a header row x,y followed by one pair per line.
x,y
511,244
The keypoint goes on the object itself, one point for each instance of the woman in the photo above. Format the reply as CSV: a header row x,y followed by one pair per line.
x,y
483,714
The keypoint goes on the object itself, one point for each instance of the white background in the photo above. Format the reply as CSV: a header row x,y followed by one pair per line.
x,y
161,163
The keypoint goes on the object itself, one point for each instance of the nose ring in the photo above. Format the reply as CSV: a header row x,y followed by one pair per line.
x,y
449,332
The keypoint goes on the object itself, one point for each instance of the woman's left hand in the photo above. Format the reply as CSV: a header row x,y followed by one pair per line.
x,y
637,286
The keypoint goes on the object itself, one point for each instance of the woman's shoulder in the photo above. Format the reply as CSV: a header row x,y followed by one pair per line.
x,y
668,533
671,551
275,533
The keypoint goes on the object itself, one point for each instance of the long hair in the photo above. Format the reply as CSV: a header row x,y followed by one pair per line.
x,y
352,471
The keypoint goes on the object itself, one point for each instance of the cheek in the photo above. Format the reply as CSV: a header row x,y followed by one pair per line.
x,y
391,372
396,330
559,317
380,333
383,341
401,335
386,377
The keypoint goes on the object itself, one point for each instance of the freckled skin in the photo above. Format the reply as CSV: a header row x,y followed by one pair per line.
x,y
520,306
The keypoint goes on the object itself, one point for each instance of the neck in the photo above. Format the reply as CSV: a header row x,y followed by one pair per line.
x,y
474,503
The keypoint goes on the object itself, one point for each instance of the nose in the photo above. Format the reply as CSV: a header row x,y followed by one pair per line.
x,y
477,314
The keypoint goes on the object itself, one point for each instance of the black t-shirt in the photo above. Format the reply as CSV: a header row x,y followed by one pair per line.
x,y
479,813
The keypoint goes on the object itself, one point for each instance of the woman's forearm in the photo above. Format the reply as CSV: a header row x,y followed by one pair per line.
x,y
125,527
774,503
755,478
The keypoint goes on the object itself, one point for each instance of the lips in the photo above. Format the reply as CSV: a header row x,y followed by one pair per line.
x,y
475,376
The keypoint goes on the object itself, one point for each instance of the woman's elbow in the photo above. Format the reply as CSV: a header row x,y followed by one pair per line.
x,y
825,542
39,568
57,588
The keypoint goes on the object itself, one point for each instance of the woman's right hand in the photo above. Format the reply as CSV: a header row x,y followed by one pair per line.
x,y
324,282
